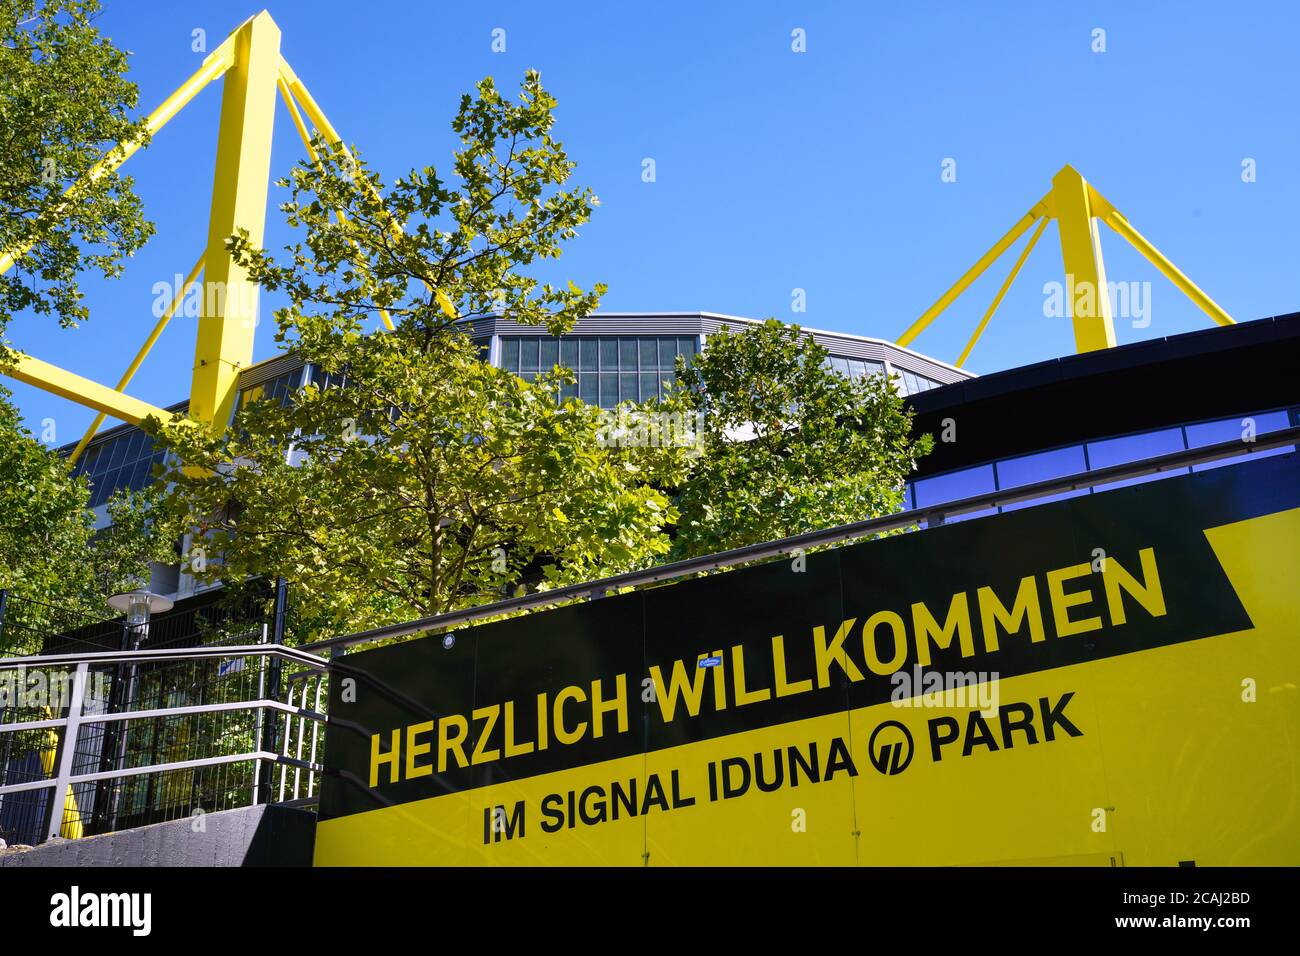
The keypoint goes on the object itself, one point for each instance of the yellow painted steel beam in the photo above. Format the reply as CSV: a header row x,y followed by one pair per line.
x,y
287,95
82,390
239,190
140,356
1116,221
1006,284
1041,208
310,106
1085,270
318,117
214,66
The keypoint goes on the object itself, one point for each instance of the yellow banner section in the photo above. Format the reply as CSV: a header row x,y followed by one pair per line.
x,y
1186,753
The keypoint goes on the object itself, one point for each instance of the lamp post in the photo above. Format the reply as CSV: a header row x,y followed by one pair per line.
x,y
137,607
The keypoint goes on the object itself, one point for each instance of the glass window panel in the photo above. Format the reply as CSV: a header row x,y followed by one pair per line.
x,y
568,391
136,446
608,389
840,365
627,387
569,353
627,355
649,355
588,353
140,474
510,354
106,485
1231,429
588,388
953,486
1118,451
1016,472
106,459
608,355
528,355
667,353
874,368
649,386
118,454
686,345
550,357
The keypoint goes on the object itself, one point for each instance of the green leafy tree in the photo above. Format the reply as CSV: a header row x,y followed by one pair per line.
x,y
429,480
786,445
52,561
64,101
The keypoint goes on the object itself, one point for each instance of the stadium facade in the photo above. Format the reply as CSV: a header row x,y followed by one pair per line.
x,y
993,432
617,357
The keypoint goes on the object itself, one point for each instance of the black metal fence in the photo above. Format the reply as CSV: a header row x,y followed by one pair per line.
x,y
209,714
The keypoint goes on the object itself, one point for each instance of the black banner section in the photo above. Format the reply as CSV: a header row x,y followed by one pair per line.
x,y
1084,579
343,907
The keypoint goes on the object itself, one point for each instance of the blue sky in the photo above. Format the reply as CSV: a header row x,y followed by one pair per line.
x,y
775,170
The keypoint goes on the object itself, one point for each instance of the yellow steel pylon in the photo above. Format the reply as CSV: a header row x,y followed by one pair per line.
x,y
253,69
1077,207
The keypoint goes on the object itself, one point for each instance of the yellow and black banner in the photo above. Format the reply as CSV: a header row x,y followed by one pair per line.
x,y
1108,680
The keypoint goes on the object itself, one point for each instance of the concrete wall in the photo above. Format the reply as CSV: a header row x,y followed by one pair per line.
x,y
248,836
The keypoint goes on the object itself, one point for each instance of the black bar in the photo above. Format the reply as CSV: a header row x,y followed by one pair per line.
x,y
271,721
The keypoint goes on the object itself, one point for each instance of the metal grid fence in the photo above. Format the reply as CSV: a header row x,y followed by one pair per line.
x,y
96,742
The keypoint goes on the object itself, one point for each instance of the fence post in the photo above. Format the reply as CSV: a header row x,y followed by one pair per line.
x,y
270,725
67,751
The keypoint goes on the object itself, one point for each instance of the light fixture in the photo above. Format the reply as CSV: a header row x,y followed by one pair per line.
x,y
138,606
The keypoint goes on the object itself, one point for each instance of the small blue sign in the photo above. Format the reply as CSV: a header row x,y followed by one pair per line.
x,y
232,666
710,661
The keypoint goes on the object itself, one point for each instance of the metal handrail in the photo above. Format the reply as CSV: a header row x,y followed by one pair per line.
x,y
296,654
811,539
62,780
